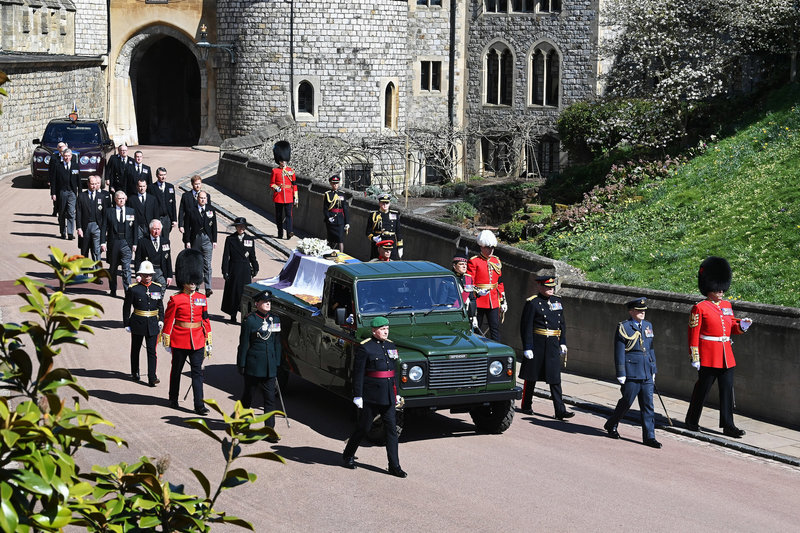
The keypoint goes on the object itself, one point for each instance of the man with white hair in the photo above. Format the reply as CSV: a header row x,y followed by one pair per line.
x,y
486,272
64,186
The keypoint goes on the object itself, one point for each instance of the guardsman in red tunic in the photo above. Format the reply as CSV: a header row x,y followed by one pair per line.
x,y
284,188
187,329
711,325
486,272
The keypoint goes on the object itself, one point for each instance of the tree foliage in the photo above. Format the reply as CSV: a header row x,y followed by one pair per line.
x,y
42,427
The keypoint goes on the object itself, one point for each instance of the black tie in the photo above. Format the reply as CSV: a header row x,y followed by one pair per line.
x,y
155,244
91,196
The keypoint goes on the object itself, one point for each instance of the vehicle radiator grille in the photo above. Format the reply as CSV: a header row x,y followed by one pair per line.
x,y
450,374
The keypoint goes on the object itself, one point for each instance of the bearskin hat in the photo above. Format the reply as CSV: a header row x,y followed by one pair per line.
x,y
189,268
714,275
487,238
282,151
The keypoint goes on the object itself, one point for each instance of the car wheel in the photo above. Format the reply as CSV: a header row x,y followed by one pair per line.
x,y
493,418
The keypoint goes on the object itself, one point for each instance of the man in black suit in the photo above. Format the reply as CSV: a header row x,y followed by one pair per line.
x,y
64,187
117,240
55,160
92,204
137,172
201,234
156,249
189,201
117,170
165,192
146,206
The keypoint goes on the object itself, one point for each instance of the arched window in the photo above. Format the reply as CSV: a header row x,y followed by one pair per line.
x,y
305,98
498,75
545,78
390,107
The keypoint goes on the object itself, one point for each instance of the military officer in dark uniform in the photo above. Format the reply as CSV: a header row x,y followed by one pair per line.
x,y
384,224
385,248
334,209
259,354
467,287
117,240
239,265
156,249
117,170
544,342
635,363
375,392
165,192
145,321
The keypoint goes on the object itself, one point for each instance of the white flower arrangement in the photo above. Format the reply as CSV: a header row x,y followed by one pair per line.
x,y
313,247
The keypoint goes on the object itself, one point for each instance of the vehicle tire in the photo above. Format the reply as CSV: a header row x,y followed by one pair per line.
x,y
376,435
493,418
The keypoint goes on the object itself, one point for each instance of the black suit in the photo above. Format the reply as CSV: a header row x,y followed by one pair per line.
x,y
161,258
65,185
117,173
378,394
201,233
145,212
135,174
118,237
168,207
188,202
90,219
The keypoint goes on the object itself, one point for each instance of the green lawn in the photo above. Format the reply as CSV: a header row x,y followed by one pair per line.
x,y
739,200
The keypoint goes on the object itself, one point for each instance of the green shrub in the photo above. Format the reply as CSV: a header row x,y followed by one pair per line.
x,y
461,210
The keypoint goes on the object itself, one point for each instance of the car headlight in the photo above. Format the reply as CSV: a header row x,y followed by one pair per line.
x,y
46,159
37,159
84,160
415,373
94,159
496,368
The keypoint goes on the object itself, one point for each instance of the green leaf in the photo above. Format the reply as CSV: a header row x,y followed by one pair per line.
x,y
236,477
8,515
237,522
270,456
201,477
200,424
149,522
27,480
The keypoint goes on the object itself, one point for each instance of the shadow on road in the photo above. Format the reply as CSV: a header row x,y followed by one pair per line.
x,y
560,425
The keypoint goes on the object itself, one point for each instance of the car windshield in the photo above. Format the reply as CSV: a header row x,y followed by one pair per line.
x,y
72,134
405,295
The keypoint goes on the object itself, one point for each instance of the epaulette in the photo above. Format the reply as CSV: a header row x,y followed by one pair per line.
x,y
365,341
155,283
474,256
132,284
532,297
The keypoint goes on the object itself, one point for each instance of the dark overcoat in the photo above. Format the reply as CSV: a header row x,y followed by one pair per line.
x,y
260,345
239,265
542,313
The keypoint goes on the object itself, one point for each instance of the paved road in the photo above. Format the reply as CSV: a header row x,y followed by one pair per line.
x,y
541,474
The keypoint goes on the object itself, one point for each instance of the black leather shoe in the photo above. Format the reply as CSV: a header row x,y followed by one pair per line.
x,y
396,471
734,432
692,427
135,377
349,462
565,415
174,404
653,443
526,410
289,235
202,411
71,237
612,431
64,236
154,382
209,292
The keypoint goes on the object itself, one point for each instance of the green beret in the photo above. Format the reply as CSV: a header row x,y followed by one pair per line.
x,y
379,322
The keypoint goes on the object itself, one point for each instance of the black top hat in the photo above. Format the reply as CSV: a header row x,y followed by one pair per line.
x,y
189,267
282,151
547,281
240,221
640,304
262,296
714,275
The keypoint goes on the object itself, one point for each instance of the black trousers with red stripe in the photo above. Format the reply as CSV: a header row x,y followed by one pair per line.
x,y
555,392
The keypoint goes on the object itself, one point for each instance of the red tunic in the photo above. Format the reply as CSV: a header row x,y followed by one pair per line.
x,y
710,328
184,310
283,185
486,274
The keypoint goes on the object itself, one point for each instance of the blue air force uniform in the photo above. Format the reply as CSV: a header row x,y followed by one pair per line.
x,y
635,360
258,359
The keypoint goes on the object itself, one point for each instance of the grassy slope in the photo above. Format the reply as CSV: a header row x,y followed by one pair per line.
x,y
739,200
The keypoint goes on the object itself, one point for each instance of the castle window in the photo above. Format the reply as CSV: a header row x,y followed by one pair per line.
x,y
549,6
430,75
305,98
498,75
390,107
495,6
545,75
524,6
543,157
497,155
429,2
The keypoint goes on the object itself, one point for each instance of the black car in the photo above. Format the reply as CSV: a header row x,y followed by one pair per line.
x,y
88,140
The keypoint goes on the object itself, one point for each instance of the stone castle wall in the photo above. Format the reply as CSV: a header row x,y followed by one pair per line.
x,y
91,27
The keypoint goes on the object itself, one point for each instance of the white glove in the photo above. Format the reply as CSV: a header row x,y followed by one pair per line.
x,y
376,238
696,365
397,398
160,324
621,380
654,378
400,253
528,354
482,292
745,323
128,329
504,306
474,322
347,227
359,402
330,219
209,348
563,349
